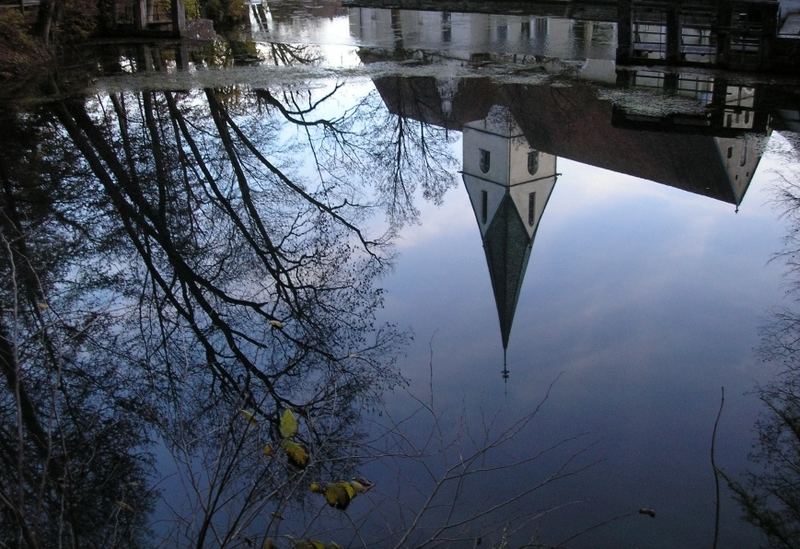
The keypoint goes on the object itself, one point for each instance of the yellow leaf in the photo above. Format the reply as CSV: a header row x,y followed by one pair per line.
x,y
315,487
276,324
297,455
268,450
336,496
288,425
351,492
249,416
339,495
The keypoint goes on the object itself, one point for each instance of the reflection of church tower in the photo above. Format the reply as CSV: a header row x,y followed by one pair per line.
x,y
509,185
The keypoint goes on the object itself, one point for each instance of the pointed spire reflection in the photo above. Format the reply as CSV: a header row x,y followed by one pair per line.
x,y
509,185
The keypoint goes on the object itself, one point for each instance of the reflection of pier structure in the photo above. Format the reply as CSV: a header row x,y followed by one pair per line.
x,y
153,18
479,37
149,17
733,34
740,34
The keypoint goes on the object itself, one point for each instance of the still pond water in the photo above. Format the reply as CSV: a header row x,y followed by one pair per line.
x,y
500,278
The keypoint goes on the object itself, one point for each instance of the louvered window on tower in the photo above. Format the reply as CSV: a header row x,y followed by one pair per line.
x,y
533,162
484,206
485,161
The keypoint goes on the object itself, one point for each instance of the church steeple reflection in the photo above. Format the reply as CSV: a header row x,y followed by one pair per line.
x,y
509,184
512,134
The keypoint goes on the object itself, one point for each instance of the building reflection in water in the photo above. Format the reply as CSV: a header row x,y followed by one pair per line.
x,y
513,135
696,132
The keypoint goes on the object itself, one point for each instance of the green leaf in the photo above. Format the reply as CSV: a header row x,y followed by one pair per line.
x,y
288,425
297,455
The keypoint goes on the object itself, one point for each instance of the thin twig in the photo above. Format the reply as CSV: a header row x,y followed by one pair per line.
x,y
716,469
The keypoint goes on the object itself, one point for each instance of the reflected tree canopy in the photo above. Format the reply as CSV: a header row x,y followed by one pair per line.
x,y
170,265
770,496
71,416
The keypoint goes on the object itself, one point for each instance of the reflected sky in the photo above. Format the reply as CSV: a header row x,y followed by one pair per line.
x,y
647,298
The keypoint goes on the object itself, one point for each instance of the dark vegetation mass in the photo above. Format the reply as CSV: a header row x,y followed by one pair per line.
x,y
33,37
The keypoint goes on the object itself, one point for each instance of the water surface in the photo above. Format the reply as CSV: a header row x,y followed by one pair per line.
x,y
456,246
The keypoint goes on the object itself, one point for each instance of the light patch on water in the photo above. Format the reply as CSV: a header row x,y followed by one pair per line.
x,y
784,145
649,103
314,76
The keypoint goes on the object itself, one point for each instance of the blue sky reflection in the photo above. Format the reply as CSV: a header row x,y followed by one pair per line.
x,y
647,298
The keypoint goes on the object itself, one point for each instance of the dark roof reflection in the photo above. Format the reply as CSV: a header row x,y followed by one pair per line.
x,y
572,122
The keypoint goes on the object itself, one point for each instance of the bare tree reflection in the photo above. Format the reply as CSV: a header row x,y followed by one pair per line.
x,y
770,497
174,268
180,269
71,417
392,152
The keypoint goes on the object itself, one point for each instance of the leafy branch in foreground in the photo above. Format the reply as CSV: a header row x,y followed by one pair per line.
x,y
448,470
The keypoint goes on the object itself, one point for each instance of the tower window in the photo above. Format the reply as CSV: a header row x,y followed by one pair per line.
x,y
533,162
486,160
447,31
502,33
531,208
484,206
